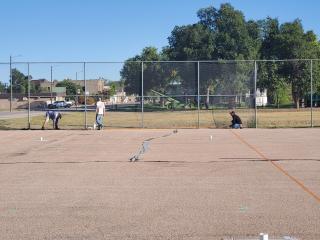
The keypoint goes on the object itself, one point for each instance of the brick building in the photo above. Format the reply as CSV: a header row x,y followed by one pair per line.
x,y
94,86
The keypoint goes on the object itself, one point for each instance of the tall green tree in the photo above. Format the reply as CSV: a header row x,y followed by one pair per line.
x,y
156,74
286,41
191,42
71,88
316,73
268,72
19,82
234,37
2,87
112,90
270,31
294,43
224,34
275,84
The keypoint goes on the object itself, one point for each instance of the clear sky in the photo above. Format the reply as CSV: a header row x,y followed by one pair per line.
x,y
114,30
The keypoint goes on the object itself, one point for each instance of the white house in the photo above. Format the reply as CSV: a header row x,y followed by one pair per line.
x,y
119,97
261,98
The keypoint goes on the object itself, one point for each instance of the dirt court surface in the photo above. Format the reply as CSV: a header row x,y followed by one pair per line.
x,y
188,185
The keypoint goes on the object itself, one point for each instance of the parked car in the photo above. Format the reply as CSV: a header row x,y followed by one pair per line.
x,y
71,102
59,104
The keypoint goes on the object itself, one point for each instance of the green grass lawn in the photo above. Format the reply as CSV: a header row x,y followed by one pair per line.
x,y
267,118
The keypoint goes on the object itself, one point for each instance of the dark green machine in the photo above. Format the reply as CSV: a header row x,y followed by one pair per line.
x,y
170,103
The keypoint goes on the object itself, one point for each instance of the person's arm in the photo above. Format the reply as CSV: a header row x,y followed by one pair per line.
x,y
239,121
233,121
45,122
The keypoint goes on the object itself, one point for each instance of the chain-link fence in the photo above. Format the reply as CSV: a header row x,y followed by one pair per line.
x,y
293,93
162,94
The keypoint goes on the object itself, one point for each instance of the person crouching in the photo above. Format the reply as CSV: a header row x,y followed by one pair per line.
x,y
54,116
236,120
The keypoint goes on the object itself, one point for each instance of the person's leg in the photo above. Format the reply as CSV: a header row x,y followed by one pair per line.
x,y
99,121
56,124
236,126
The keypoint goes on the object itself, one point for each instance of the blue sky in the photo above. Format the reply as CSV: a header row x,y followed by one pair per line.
x,y
102,30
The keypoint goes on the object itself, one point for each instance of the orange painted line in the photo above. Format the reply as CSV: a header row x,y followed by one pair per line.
x,y
277,166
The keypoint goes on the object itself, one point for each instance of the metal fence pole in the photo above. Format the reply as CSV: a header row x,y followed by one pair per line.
x,y
51,84
85,96
10,84
255,95
198,94
311,94
142,97
29,120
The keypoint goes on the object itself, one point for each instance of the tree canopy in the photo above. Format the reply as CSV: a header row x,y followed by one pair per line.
x,y
225,34
71,88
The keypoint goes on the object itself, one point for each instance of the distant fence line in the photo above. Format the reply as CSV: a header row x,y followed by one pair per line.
x,y
165,61
182,85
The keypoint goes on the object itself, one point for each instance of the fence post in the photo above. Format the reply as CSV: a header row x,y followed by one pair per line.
x,y
85,95
142,97
29,120
311,93
198,94
255,95
10,83
51,84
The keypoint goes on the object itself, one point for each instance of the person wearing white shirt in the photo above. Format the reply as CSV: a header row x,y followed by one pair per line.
x,y
100,111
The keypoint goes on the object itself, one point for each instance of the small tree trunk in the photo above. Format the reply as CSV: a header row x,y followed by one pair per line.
x,y
162,101
297,102
208,97
295,97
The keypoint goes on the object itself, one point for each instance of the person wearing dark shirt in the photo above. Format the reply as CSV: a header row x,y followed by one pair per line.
x,y
236,120
54,116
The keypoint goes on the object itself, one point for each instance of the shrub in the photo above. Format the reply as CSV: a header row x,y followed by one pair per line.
x,y
90,100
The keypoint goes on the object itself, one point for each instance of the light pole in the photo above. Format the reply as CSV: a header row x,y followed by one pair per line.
x,y
10,83
51,84
51,81
77,74
77,99
11,80
78,90
29,117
